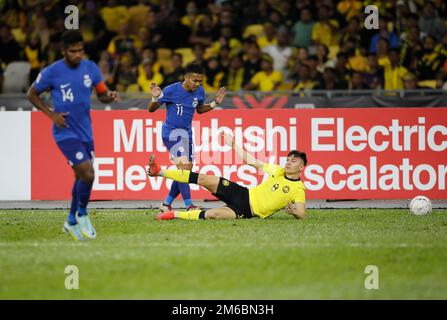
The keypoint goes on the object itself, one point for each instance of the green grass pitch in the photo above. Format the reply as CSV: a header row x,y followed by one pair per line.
x,y
136,257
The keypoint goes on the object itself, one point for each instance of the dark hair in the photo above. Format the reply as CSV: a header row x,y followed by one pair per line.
x,y
70,37
298,154
194,68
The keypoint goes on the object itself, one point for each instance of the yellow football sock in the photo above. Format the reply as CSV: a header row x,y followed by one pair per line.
x,y
189,215
178,175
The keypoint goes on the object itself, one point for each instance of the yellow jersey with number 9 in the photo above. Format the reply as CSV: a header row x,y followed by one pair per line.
x,y
275,192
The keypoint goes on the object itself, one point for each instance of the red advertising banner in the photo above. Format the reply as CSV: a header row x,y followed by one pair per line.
x,y
353,153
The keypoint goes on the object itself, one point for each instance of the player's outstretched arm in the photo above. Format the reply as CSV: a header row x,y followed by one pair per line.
x,y
297,209
156,94
58,118
245,156
108,96
217,100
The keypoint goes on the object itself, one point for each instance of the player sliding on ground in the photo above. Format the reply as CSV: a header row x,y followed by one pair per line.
x,y
182,100
283,188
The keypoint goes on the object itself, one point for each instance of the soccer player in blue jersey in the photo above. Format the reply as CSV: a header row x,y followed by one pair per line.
x,y
182,99
71,81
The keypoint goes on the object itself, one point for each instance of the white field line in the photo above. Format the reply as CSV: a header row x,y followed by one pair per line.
x,y
209,245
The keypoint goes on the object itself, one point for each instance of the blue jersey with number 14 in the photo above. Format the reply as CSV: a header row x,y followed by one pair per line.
x,y
71,89
180,106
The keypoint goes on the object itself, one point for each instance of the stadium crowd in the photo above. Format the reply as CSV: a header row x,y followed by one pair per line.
x,y
243,45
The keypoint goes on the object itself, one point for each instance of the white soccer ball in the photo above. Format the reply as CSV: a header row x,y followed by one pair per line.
x,y
420,205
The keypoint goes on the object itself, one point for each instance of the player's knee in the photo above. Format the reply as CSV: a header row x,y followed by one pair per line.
x,y
88,176
202,180
212,215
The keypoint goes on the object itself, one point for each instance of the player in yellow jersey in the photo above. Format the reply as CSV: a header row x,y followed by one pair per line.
x,y
282,189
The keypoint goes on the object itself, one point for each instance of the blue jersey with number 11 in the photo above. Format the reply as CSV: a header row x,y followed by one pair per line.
x,y
70,92
180,105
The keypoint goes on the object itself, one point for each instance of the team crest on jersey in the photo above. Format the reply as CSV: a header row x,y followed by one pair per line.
x,y
226,183
285,189
195,103
87,81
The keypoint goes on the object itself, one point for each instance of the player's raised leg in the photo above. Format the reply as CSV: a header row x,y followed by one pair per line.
x,y
183,176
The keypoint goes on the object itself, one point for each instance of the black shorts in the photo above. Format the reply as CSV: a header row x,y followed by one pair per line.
x,y
235,196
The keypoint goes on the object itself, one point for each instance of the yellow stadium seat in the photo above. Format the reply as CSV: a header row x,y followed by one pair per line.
x,y
254,29
188,55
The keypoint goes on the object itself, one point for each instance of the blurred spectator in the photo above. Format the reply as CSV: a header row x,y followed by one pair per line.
x,y
148,76
43,32
137,15
323,58
177,73
204,33
357,82
269,37
227,19
349,8
224,57
93,30
356,60
125,74
412,49
384,33
199,55
9,48
267,79
305,82
325,31
330,81
154,29
312,63
280,52
394,71
382,51
233,79
432,60
302,30
351,33
123,42
174,33
410,81
213,75
106,73
430,23
374,75
114,15
192,17
252,63
402,14
341,70
226,39
35,55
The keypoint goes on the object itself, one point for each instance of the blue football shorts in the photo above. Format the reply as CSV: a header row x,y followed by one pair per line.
x,y
76,151
179,143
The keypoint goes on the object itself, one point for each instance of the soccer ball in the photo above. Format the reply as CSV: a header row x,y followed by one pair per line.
x,y
420,205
